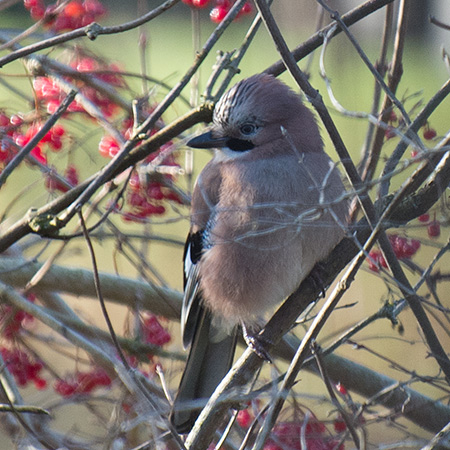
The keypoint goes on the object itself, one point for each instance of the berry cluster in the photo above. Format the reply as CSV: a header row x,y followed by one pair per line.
x,y
52,138
428,132
221,8
403,247
245,418
153,332
53,183
16,132
23,368
146,197
146,194
289,435
82,383
50,94
394,122
13,320
73,15
433,226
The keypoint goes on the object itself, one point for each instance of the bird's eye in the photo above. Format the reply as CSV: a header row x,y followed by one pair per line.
x,y
247,129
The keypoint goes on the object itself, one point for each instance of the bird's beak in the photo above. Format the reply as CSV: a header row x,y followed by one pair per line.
x,y
207,140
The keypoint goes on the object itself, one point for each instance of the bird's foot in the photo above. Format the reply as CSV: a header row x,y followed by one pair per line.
x,y
256,343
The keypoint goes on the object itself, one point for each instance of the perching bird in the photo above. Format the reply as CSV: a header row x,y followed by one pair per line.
x,y
265,210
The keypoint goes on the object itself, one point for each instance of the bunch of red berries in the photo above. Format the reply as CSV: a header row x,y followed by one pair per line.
x,y
82,383
403,247
15,132
146,198
146,194
50,94
22,367
433,226
289,435
52,138
394,122
73,15
54,183
7,134
13,320
221,8
153,331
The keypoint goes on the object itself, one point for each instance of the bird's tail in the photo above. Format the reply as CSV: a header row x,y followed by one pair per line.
x,y
210,358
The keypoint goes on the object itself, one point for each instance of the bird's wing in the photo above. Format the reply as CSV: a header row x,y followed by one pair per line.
x,y
191,301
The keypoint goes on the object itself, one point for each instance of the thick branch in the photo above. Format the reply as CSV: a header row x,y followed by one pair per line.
x,y
23,226
126,291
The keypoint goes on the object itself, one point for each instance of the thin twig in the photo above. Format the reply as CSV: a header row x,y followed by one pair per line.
x,y
316,40
91,31
316,351
418,122
27,427
148,146
394,77
381,66
110,168
24,409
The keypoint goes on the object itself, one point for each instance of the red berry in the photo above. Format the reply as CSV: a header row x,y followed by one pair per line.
x,y
154,191
218,13
40,383
154,332
374,260
74,9
71,175
339,425
87,65
31,3
16,120
341,388
429,133
173,197
247,8
424,218
153,209
389,133
434,229
55,144
94,7
392,117
4,120
108,147
58,130
64,388
39,155
37,12
21,366
244,418
200,3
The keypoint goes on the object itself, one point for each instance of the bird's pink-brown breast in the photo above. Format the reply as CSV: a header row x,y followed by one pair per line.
x,y
269,229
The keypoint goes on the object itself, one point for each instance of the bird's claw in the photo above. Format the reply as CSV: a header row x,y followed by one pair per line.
x,y
257,344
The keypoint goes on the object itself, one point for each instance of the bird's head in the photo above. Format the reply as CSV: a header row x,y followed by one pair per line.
x,y
256,113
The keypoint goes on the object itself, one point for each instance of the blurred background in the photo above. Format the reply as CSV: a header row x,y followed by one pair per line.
x,y
171,41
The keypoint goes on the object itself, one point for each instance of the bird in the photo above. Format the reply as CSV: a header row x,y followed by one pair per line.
x,y
268,206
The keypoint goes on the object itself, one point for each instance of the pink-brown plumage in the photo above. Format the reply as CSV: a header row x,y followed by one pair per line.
x,y
265,210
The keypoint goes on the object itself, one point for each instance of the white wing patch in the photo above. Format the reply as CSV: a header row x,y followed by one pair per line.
x,y
190,294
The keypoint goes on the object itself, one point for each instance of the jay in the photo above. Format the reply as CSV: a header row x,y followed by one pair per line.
x,y
265,210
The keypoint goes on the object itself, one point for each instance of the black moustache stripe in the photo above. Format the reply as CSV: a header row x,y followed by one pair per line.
x,y
239,145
